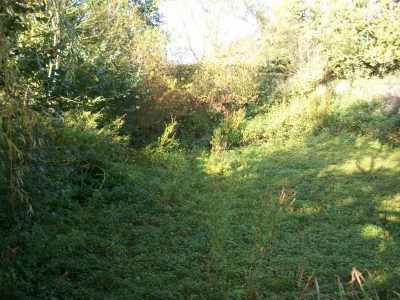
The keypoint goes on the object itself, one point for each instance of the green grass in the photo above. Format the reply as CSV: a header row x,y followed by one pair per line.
x,y
345,212
240,224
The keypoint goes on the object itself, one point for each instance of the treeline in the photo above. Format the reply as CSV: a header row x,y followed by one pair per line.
x,y
345,38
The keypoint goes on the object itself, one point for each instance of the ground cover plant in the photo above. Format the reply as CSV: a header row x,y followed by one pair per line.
x,y
254,222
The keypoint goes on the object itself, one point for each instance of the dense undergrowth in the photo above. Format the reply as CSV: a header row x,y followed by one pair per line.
x,y
304,202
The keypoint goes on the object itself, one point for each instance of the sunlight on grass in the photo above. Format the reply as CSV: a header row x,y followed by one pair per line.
x,y
370,158
336,190
372,231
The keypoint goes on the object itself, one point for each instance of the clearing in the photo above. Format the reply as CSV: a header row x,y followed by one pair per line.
x,y
255,221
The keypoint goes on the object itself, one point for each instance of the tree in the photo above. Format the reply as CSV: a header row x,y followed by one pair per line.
x,y
60,55
355,38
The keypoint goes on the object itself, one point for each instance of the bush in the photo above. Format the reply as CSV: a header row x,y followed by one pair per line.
x,y
229,133
365,118
319,106
75,159
280,122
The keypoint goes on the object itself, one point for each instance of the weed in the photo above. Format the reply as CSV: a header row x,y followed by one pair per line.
x,y
229,133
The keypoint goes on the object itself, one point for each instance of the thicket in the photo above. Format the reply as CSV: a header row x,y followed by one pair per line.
x,y
63,58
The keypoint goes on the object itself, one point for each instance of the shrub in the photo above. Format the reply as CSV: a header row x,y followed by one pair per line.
x,y
75,159
319,105
229,133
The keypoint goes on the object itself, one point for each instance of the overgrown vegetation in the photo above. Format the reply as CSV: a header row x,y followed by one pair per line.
x,y
125,176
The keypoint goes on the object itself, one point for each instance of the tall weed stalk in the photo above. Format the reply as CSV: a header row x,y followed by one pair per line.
x,y
272,212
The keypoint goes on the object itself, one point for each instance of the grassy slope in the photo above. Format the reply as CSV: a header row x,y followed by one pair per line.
x,y
242,223
344,214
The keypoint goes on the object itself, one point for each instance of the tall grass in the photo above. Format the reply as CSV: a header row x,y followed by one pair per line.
x,y
272,211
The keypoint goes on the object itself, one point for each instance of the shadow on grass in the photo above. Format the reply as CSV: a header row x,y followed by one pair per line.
x,y
345,212
244,223
377,119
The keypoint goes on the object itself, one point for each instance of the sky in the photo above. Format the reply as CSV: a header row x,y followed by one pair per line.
x,y
195,25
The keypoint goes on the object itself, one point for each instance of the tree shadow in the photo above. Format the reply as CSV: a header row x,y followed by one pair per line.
x,y
339,218
219,227
376,119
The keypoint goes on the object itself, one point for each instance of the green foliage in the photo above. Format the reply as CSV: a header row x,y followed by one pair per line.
x,y
342,39
281,121
364,43
271,92
253,221
322,110
196,129
367,119
166,152
166,141
56,56
68,52
198,95
225,87
307,192
319,107
75,153
229,133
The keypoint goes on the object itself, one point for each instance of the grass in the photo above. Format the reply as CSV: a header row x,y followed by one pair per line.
x,y
255,222
338,220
